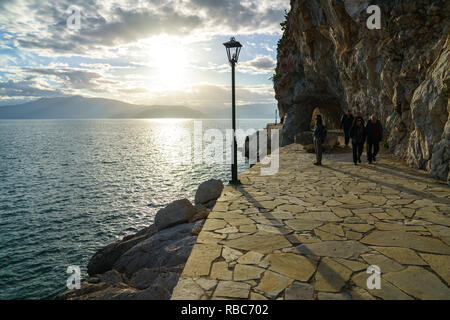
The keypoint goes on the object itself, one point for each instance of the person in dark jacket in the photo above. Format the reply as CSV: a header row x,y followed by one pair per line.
x,y
374,132
346,124
358,135
359,116
319,136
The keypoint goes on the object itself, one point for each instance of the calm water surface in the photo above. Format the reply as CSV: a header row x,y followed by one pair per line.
x,y
69,187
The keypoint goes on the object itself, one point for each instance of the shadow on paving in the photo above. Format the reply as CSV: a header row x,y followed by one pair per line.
x,y
393,186
419,177
255,202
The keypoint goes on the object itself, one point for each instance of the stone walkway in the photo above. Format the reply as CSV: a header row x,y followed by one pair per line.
x,y
311,233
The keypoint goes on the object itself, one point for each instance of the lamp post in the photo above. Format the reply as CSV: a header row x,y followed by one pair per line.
x,y
233,48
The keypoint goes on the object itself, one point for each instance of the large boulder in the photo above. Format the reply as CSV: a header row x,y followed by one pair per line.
x,y
167,248
147,265
157,284
104,259
112,277
177,212
149,270
208,191
161,290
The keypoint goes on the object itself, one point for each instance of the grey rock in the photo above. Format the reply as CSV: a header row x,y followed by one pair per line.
x,y
157,292
211,204
104,259
167,248
304,138
146,278
156,284
120,292
177,212
93,280
208,191
86,289
296,120
149,270
111,277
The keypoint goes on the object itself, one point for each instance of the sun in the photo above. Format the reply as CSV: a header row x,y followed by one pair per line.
x,y
169,59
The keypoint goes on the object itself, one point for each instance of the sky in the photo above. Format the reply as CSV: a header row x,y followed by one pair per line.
x,y
138,51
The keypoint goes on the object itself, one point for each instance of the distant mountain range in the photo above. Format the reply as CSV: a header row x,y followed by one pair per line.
x,y
78,107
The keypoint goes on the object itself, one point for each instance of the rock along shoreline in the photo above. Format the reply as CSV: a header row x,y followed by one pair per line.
x,y
148,264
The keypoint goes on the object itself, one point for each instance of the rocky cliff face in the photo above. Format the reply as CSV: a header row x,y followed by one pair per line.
x,y
329,61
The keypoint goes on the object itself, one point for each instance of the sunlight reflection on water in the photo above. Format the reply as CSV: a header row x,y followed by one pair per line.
x,y
69,187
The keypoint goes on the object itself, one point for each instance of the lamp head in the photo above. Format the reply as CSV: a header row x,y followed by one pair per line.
x,y
233,48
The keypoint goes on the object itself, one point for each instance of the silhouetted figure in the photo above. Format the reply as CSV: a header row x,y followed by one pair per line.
x,y
374,136
358,115
319,139
346,124
358,135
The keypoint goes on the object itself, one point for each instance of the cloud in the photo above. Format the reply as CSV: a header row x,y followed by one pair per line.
x,y
241,16
109,57
105,25
73,78
99,80
259,65
210,95
54,80
26,88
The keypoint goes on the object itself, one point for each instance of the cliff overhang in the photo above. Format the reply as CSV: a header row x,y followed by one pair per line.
x,y
329,60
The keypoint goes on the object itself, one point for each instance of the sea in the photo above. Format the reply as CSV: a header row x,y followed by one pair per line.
x,y
70,187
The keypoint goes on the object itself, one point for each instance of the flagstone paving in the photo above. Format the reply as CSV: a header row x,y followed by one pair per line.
x,y
311,233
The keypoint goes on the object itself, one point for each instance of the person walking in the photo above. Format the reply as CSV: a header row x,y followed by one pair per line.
x,y
358,115
346,125
319,137
358,135
374,132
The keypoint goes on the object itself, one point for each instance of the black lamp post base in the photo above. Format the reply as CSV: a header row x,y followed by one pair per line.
x,y
235,183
